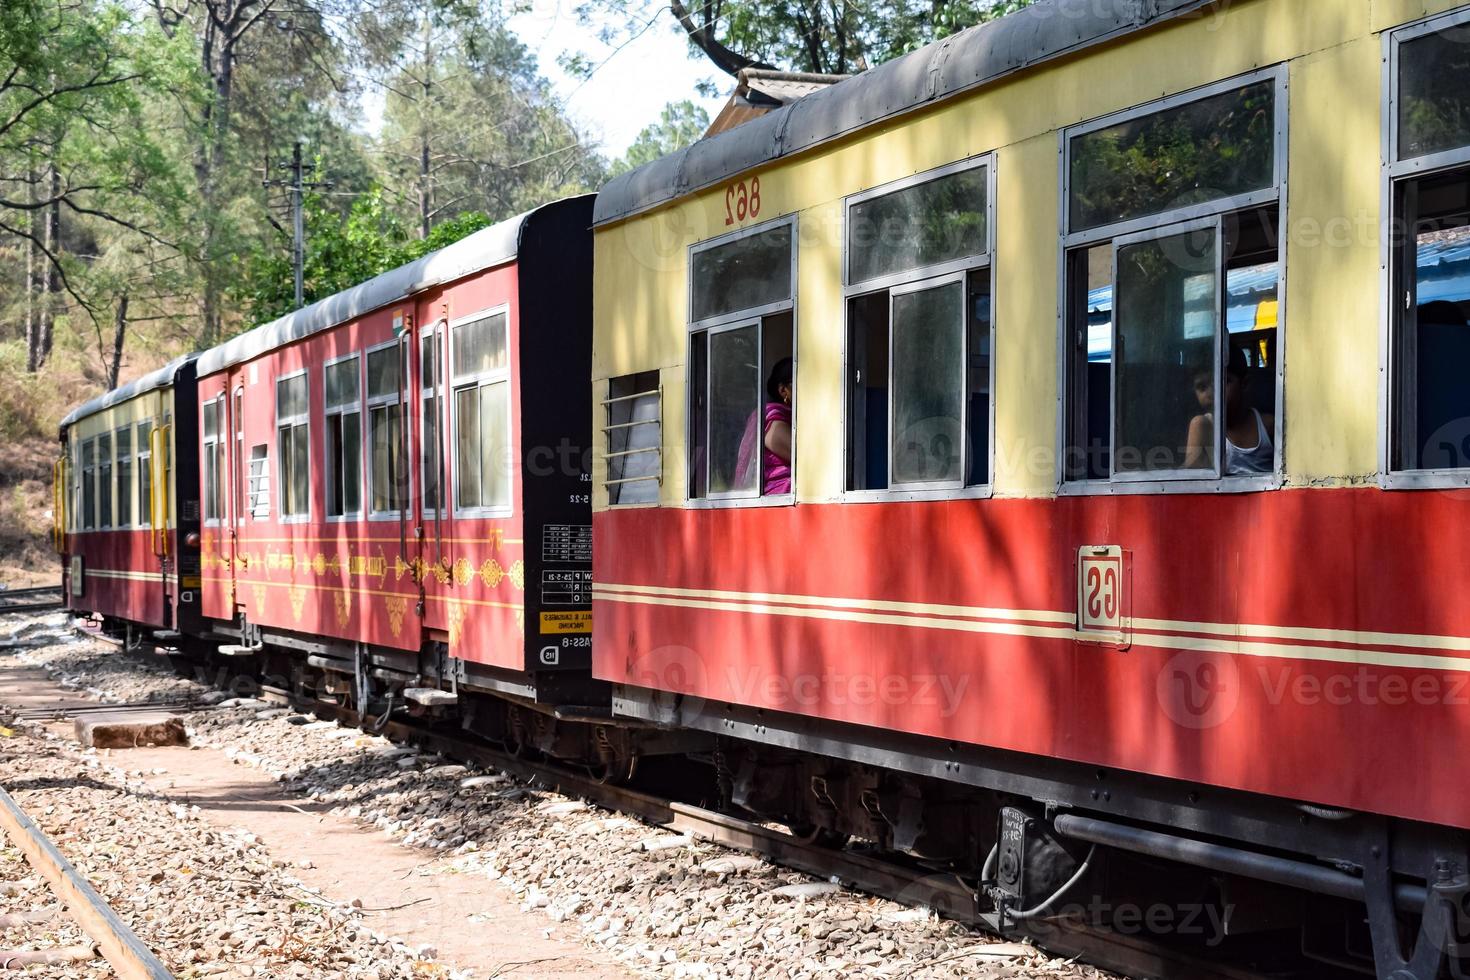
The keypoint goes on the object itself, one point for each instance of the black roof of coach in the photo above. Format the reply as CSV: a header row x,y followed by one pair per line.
x,y
485,249
162,378
1046,30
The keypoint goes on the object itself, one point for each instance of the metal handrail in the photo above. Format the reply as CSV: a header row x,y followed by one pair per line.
x,y
636,394
58,505
167,430
659,479
635,452
629,425
155,462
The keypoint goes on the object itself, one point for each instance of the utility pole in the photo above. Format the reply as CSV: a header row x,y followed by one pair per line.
x,y
297,185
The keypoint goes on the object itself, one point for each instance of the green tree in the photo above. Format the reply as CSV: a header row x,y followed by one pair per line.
x,y
344,250
83,167
679,124
823,36
469,124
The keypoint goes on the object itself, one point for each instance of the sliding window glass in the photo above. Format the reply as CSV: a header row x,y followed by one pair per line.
x,y
742,367
918,271
214,460
480,375
104,481
145,474
293,446
431,449
1429,173
123,474
1172,288
343,399
89,485
387,445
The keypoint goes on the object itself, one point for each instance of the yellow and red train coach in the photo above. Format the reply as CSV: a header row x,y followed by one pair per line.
x,y
120,522
1127,418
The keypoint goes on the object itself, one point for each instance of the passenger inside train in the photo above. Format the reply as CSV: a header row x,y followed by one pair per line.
x,y
1249,448
774,425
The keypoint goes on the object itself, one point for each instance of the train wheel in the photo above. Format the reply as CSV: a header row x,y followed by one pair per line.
x,y
823,837
617,772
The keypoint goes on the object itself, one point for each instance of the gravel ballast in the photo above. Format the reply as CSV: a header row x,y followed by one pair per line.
x,y
663,905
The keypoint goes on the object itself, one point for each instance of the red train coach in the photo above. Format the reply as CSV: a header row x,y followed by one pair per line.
x,y
126,524
393,478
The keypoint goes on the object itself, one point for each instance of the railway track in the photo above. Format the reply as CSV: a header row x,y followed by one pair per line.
x,y
872,873
128,955
31,600
883,875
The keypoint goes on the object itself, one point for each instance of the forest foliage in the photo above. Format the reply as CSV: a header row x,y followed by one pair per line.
x,y
142,145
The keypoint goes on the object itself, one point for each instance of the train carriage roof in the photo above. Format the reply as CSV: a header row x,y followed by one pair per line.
x,y
1046,30
161,378
485,249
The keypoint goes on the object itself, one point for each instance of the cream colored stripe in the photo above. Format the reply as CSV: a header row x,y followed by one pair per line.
x,y
1310,634
1304,633
975,612
1380,658
131,576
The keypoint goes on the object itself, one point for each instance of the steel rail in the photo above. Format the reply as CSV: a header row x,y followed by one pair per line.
x,y
119,945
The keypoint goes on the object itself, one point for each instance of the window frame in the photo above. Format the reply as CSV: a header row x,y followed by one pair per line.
x,y
329,410
369,402
982,263
1397,172
143,463
480,379
209,450
728,321
106,482
118,461
440,393
291,421
87,451
1279,194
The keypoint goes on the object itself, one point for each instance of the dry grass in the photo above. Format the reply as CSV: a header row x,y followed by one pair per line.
x,y
26,557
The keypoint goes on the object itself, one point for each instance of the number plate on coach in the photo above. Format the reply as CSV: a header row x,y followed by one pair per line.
x,y
1100,590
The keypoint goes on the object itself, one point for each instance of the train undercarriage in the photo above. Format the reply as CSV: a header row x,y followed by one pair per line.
x,y
1040,845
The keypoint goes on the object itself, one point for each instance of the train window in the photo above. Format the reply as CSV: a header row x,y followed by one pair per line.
x,y
387,476
1433,100
123,440
104,481
481,401
145,474
1172,294
342,388
634,434
1429,173
742,378
747,271
214,455
1135,168
929,224
919,333
293,445
89,484
431,466
744,390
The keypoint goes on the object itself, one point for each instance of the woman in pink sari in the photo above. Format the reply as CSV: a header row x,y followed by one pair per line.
x,y
776,436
